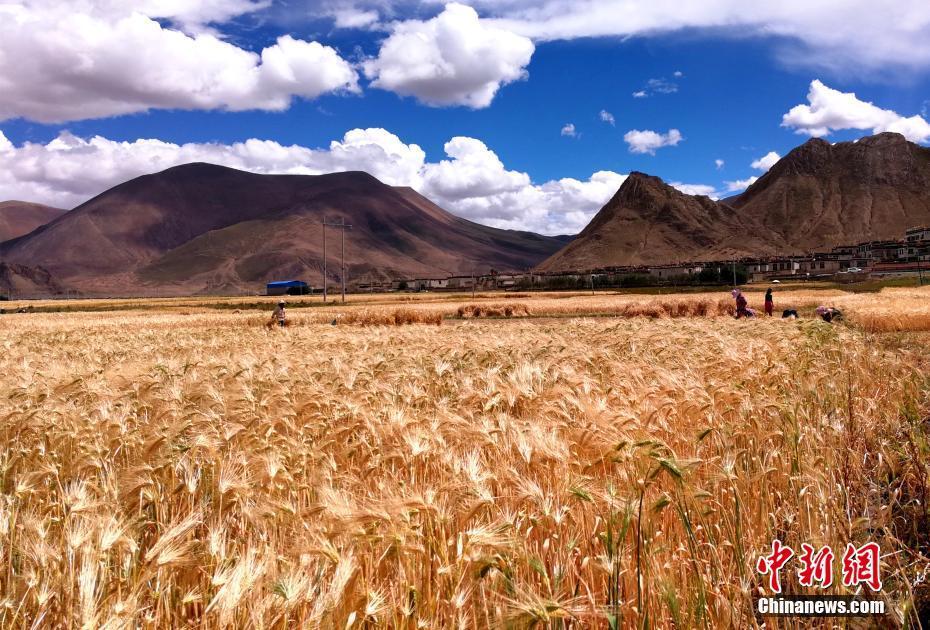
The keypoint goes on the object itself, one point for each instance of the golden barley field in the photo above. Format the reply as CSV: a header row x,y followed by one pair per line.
x,y
579,461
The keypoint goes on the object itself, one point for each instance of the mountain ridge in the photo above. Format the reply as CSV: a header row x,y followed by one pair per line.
x,y
818,196
649,222
206,228
18,218
824,195
202,228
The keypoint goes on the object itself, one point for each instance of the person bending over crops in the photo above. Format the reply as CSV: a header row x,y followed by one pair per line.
x,y
829,314
741,304
279,316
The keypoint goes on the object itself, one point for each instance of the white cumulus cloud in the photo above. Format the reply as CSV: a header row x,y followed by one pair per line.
x,y
188,15
350,17
852,35
76,59
69,170
740,184
569,130
65,61
766,162
696,189
861,36
830,110
473,171
472,182
475,184
648,141
719,163
456,58
608,118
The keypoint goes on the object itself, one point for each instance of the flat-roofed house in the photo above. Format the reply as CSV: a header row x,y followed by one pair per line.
x,y
287,287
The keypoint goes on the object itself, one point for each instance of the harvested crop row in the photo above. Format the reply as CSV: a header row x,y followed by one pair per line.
x,y
470,311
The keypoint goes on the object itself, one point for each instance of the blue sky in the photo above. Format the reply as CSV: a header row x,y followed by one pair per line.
x,y
726,90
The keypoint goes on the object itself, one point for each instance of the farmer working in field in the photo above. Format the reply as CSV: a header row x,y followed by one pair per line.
x,y
741,310
769,302
829,314
279,315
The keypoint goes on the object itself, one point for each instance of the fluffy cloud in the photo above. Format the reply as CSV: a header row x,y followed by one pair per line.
x,y
474,171
647,141
569,130
608,118
719,163
766,162
872,34
76,59
69,170
475,184
696,189
67,61
740,184
830,110
455,58
354,18
472,182
189,15
563,206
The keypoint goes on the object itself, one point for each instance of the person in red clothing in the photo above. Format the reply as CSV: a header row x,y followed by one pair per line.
x,y
769,302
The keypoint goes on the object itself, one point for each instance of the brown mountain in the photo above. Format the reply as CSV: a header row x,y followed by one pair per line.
x,y
17,280
649,222
21,217
818,196
822,195
201,227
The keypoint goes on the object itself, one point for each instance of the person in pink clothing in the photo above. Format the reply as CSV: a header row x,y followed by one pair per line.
x,y
741,304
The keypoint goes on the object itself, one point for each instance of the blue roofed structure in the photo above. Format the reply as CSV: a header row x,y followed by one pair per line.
x,y
287,287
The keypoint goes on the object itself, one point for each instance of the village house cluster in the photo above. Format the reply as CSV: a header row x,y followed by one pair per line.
x,y
908,256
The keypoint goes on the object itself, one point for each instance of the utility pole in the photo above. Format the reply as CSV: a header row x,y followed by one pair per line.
x,y
324,259
734,274
343,226
343,274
